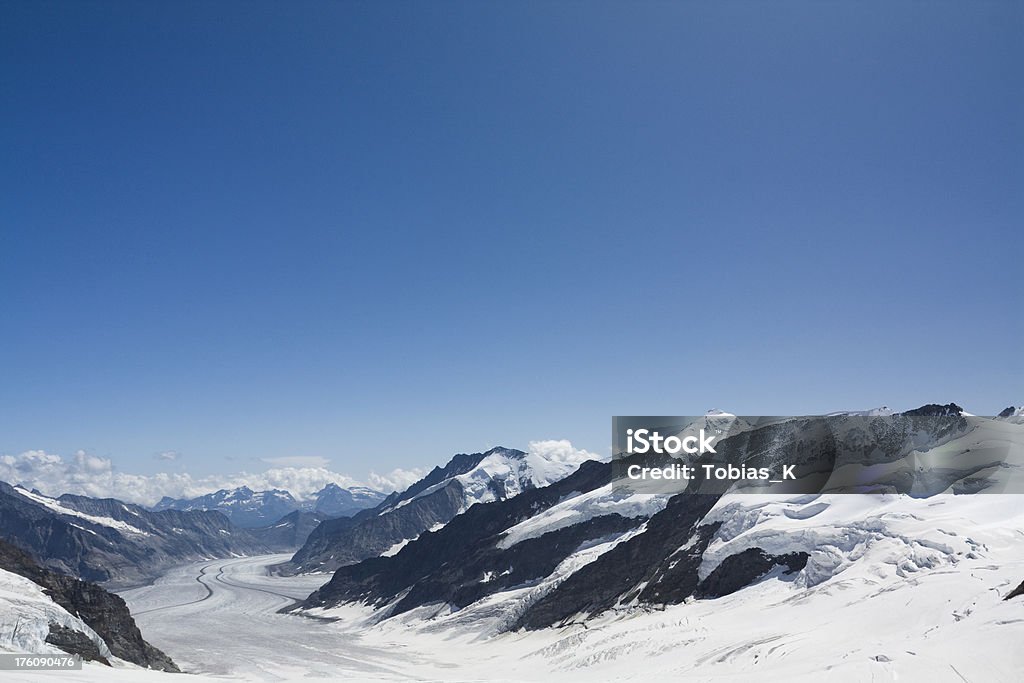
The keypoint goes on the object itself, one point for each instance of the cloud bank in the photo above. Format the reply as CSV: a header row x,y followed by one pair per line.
x,y
97,477
562,451
396,480
93,476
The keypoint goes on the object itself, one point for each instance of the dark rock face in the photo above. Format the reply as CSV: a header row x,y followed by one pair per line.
x,y
1007,412
487,570
935,410
75,643
658,566
139,546
348,540
48,535
104,612
1019,590
742,569
289,532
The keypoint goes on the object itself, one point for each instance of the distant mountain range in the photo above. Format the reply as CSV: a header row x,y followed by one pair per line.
x,y
121,544
111,542
55,551
250,509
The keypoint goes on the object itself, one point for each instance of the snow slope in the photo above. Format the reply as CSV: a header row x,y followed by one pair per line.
x,y
601,501
504,473
26,613
940,565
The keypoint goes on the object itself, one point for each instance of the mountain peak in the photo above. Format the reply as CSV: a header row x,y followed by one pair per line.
x,y
1012,411
936,410
506,452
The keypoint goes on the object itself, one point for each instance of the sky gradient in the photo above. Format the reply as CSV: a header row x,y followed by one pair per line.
x,y
382,233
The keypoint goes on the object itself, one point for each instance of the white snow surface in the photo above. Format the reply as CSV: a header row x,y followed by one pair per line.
x,y
605,500
873,412
942,564
516,474
893,534
26,613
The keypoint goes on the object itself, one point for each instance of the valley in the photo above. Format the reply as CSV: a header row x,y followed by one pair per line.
x,y
500,566
222,618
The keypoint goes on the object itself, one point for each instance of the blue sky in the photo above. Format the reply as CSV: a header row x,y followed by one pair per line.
x,y
381,233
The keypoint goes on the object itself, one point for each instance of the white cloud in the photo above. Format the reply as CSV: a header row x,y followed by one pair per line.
x,y
93,476
562,450
396,480
97,477
301,482
554,459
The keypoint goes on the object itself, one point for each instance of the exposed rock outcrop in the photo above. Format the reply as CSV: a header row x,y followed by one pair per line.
x,y
104,612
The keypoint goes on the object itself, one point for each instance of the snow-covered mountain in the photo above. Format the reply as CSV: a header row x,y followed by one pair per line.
x,y
498,474
335,501
1012,411
873,412
583,549
465,481
243,506
112,542
250,509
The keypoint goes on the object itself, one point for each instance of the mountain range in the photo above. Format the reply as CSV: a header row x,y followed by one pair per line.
x,y
505,540
584,546
466,480
250,509
122,544
111,542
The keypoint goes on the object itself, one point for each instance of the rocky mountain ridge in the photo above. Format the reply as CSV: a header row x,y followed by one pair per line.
x,y
468,479
115,543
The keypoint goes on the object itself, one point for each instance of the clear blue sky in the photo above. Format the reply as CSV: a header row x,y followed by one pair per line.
x,y
385,232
